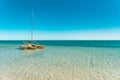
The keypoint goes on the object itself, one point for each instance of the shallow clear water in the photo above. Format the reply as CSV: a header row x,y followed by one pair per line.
x,y
59,63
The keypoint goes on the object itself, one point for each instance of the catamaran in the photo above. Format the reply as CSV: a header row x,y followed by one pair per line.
x,y
29,44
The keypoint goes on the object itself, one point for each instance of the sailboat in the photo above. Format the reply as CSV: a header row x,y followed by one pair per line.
x,y
29,44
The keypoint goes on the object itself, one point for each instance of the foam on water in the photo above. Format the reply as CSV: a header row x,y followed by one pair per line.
x,y
59,63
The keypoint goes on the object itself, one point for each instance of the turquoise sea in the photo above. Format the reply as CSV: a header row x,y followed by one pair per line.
x,y
61,60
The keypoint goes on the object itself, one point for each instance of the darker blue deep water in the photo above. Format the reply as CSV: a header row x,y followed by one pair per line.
x,y
82,43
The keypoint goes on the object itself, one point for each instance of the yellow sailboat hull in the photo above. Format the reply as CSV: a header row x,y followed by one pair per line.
x,y
31,47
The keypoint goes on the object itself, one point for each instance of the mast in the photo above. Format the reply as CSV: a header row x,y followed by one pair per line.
x,y
32,25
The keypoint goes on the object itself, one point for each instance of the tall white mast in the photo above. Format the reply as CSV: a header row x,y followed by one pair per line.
x,y
32,25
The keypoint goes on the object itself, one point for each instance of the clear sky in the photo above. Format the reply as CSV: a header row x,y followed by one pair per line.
x,y
60,19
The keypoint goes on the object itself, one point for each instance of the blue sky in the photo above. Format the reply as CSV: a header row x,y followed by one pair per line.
x,y
60,19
